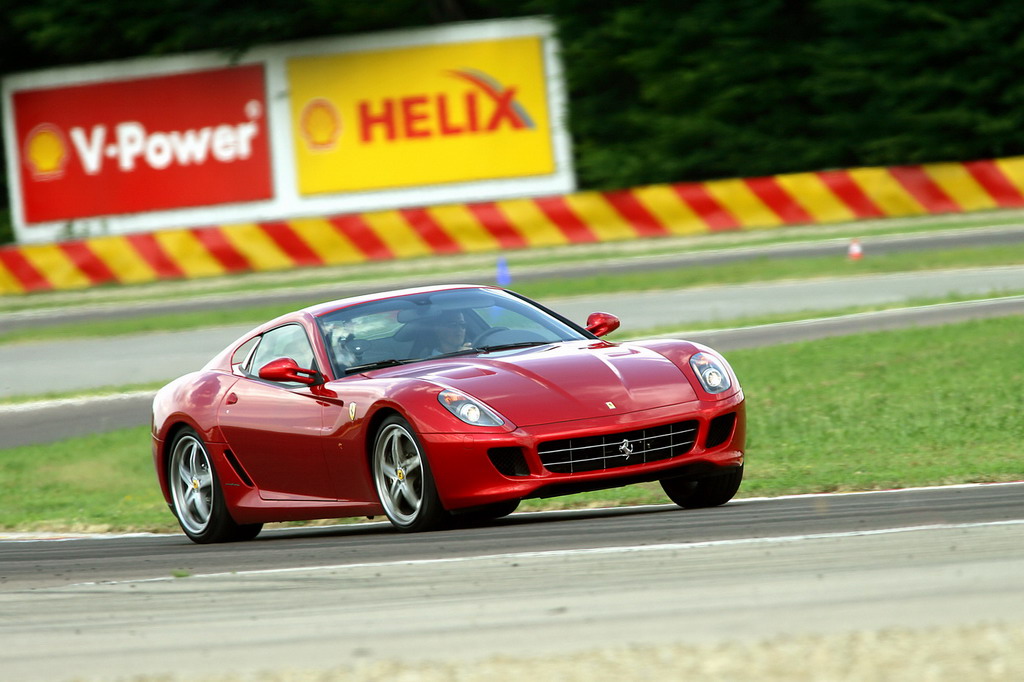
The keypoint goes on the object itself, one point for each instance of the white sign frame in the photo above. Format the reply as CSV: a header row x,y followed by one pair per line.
x,y
287,203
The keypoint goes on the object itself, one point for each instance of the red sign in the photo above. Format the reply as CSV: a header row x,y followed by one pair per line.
x,y
146,144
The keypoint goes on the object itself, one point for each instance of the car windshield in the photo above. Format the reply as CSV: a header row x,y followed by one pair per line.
x,y
420,326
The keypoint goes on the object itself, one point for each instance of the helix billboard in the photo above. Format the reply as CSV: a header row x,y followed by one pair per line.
x,y
420,116
467,112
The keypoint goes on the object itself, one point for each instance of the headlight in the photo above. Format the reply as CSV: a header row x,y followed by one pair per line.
x,y
712,372
469,410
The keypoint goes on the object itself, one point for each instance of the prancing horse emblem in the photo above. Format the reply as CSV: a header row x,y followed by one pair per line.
x,y
626,448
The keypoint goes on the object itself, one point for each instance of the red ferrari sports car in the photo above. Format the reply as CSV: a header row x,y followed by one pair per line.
x,y
426,404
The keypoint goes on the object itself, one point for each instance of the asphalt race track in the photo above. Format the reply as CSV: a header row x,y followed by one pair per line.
x,y
532,584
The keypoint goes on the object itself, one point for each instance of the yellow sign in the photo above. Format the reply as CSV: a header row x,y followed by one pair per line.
x,y
423,115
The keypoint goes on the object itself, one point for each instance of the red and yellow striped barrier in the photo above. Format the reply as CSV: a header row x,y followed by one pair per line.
x,y
653,211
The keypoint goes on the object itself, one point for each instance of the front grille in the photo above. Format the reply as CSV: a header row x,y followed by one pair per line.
x,y
613,450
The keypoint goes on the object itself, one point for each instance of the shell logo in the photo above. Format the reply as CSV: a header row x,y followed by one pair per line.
x,y
320,124
46,152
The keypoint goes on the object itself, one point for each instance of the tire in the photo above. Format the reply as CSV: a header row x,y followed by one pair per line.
x,y
485,513
710,491
401,474
196,494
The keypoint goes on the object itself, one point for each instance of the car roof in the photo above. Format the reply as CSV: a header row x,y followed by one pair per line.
x,y
325,308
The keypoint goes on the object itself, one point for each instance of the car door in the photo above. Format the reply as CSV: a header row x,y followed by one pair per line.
x,y
275,429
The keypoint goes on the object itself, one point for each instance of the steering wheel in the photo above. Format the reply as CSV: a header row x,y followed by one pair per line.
x,y
490,331
351,345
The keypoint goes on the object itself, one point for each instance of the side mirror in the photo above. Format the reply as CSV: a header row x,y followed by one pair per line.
x,y
286,369
602,324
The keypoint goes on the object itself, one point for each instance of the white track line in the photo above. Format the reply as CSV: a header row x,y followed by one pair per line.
x,y
558,553
75,401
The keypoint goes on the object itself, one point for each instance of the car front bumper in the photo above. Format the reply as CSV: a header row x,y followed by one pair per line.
x,y
476,469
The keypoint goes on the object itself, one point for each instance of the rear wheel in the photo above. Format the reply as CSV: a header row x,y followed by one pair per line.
x,y
402,476
710,491
196,495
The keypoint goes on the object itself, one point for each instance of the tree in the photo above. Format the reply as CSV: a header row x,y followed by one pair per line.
x,y
659,90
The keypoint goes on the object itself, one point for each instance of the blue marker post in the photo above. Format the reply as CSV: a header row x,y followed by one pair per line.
x,y
503,277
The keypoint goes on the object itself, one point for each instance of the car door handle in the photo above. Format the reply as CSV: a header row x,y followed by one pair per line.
x,y
232,399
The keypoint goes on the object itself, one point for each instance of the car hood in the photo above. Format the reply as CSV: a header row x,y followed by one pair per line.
x,y
563,382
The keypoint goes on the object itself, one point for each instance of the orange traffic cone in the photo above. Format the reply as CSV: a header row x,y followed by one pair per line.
x,y
855,252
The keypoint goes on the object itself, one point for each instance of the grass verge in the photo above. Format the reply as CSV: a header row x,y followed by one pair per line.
x,y
872,411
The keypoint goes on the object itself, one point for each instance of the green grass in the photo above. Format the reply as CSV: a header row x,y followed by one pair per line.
x,y
885,410
779,318
101,482
765,269
762,269
873,411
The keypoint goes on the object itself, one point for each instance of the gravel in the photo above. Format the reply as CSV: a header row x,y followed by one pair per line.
x,y
993,651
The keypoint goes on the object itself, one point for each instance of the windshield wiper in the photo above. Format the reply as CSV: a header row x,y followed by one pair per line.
x,y
379,364
510,346
453,354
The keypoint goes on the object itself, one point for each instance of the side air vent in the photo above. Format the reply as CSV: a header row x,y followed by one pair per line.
x,y
719,430
237,466
509,461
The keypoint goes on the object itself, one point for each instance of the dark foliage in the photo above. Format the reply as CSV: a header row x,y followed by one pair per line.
x,y
660,91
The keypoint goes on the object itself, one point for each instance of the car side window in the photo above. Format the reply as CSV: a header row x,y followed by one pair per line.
x,y
241,353
289,341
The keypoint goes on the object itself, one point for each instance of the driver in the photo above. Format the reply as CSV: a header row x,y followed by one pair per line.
x,y
450,332
346,353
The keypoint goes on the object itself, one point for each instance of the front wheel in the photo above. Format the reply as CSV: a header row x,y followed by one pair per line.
x,y
196,495
403,480
485,513
710,491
